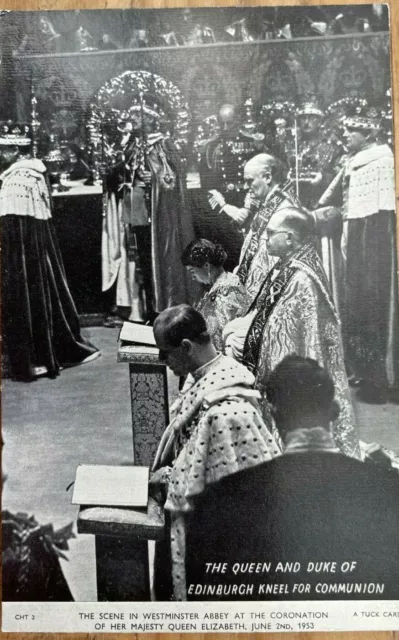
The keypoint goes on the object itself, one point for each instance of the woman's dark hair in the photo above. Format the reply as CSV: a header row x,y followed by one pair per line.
x,y
198,252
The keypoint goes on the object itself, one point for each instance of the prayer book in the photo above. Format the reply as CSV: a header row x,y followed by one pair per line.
x,y
111,486
137,333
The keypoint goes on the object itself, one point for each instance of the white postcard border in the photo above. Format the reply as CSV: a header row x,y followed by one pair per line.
x,y
200,617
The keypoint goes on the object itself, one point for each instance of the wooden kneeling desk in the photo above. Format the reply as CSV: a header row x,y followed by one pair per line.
x,y
122,534
121,541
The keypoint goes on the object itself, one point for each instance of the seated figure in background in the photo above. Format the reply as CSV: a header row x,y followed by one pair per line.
x,y
225,296
217,430
311,504
294,314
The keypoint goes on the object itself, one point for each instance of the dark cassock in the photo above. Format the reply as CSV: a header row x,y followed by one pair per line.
x,y
171,227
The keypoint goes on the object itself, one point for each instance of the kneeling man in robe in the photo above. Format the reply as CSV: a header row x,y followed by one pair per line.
x,y
217,429
294,313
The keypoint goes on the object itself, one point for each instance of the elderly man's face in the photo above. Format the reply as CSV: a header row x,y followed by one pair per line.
x,y
178,359
258,181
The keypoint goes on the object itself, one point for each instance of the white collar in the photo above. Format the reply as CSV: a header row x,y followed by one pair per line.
x,y
370,154
30,164
203,369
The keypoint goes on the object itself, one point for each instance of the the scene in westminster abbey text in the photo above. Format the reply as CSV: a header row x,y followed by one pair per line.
x,y
199,320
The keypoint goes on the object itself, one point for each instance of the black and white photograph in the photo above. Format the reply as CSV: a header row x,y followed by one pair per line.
x,y
199,319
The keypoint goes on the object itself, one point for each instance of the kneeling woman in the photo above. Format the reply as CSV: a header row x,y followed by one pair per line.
x,y
224,296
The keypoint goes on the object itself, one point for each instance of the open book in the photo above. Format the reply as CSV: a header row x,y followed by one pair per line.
x,y
137,333
111,486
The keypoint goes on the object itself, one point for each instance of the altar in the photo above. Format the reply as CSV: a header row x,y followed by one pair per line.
x,y
266,68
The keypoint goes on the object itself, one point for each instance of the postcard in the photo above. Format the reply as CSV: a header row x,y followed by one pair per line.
x,y
200,320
